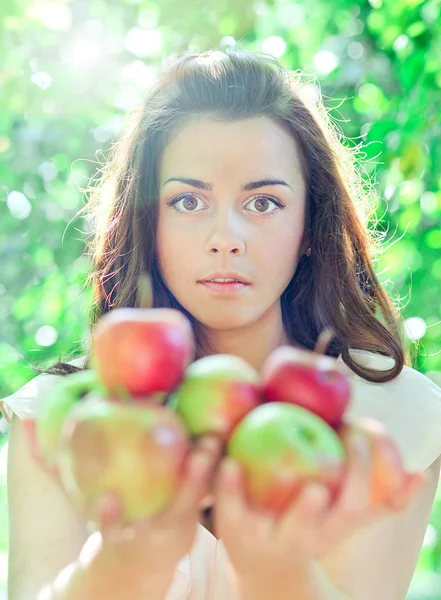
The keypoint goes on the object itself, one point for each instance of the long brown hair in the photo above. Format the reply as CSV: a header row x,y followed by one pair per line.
x,y
335,287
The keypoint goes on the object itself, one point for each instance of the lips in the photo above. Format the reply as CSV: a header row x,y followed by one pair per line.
x,y
213,281
237,282
237,278
225,288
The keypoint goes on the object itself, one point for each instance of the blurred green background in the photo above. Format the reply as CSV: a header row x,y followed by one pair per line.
x,y
70,72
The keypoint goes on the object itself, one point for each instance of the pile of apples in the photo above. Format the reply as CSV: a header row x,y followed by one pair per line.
x,y
127,424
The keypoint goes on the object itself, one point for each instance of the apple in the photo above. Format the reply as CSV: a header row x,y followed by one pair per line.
x,y
387,465
137,451
307,379
280,447
217,392
141,351
138,351
54,409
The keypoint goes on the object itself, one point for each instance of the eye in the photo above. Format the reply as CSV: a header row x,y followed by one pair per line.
x,y
262,201
190,201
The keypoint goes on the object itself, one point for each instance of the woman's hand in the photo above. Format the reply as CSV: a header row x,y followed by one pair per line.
x,y
153,544
261,546
157,543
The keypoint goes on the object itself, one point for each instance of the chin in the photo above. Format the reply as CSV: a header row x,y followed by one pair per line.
x,y
222,321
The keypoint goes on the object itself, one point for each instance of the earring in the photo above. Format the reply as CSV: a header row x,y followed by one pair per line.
x,y
308,252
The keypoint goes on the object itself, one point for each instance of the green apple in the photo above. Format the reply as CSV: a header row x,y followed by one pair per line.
x,y
217,392
137,451
55,407
280,446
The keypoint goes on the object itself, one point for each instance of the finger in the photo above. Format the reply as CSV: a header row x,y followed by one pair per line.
x,y
231,505
212,444
215,447
351,505
109,510
111,523
342,517
354,497
107,517
304,514
207,501
193,483
413,483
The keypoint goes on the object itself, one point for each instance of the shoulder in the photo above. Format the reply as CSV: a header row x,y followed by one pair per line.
x,y
409,406
24,401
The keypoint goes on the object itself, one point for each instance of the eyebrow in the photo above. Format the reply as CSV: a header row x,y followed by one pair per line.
x,y
252,185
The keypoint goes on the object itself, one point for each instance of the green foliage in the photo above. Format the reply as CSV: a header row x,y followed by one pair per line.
x,y
70,72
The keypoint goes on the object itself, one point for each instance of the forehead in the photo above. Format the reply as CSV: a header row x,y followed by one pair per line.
x,y
204,147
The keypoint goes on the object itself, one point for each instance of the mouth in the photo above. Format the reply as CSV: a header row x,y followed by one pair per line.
x,y
225,287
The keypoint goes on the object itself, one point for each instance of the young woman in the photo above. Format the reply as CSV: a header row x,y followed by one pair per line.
x,y
233,169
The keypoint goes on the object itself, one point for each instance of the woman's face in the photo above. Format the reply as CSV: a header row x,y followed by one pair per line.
x,y
255,232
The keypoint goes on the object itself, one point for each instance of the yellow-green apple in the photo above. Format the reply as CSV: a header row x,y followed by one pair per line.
x,y
387,464
217,392
137,451
139,351
55,407
307,379
280,447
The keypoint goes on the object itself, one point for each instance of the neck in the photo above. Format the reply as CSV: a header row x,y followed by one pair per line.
x,y
252,342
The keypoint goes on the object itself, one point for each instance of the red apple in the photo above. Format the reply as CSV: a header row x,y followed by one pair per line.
x,y
307,379
136,451
217,392
56,406
387,465
282,446
140,351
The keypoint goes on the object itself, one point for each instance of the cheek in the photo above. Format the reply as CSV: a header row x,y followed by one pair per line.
x,y
167,240
278,255
174,252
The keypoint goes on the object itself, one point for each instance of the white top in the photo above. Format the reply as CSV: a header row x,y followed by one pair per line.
x,y
409,407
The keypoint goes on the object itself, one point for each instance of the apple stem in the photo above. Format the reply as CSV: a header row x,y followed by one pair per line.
x,y
144,296
324,340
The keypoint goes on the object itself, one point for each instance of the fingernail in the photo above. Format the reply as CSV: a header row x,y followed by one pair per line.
x,y
230,467
361,444
206,441
418,481
317,494
202,460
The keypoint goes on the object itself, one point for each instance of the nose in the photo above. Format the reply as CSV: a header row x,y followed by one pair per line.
x,y
225,238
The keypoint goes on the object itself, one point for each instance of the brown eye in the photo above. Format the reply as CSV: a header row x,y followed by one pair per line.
x,y
262,203
189,202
